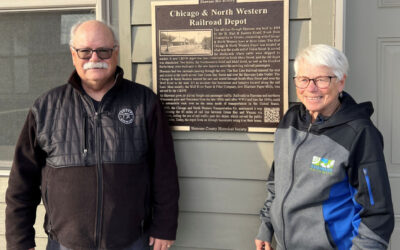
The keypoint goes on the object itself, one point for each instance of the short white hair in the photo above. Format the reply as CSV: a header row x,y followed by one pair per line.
x,y
324,55
76,26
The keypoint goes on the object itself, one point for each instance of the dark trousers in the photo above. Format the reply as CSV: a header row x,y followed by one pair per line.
x,y
140,244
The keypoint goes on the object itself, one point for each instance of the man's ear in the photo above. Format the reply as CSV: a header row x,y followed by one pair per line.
x,y
117,50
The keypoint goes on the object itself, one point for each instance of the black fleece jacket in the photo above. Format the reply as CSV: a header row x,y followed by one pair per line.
x,y
105,176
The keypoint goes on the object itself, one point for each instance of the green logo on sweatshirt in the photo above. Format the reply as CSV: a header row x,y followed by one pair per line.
x,y
322,165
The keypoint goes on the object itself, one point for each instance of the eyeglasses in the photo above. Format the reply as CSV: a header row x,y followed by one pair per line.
x,y
102,53
322,82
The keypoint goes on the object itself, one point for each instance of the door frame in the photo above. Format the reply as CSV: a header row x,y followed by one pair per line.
x,y
340,25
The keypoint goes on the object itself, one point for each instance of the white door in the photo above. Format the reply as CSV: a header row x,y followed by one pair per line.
x,y
372,44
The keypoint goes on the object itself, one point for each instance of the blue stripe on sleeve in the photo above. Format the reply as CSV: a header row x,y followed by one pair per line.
x,y
371,197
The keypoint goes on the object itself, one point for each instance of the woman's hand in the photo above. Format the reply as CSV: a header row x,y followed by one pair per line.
x,y
262,245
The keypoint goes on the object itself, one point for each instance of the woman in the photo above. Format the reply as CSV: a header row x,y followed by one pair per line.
x,y
328,187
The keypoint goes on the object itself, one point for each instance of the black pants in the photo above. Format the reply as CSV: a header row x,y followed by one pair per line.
x,y
140,244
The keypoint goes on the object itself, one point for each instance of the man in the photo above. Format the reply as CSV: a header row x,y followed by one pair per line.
x,y
99,152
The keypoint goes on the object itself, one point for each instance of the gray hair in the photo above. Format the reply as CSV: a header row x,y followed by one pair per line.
x,y
324,55
76,26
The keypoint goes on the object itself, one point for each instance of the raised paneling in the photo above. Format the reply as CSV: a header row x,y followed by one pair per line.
x,y
388,3
217,231
373,49
388,100
395,240
221,195
395,187
141,44
223,159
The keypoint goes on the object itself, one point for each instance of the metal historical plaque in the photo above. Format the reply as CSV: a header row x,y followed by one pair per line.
x,y
221,65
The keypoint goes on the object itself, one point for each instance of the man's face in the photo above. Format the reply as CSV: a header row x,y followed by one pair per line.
x,y
94,35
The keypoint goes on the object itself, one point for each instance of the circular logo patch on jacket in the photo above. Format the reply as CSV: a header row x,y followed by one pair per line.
x,y
126,116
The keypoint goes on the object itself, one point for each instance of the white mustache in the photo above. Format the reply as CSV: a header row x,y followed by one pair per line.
x,y
95,65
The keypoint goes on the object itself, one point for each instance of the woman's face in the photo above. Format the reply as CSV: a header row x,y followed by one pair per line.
x,y
319,101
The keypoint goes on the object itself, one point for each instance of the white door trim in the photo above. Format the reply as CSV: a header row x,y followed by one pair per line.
x,y
340,25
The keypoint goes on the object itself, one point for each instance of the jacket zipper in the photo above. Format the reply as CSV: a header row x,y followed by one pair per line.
x,y
291,184
97,151
97,134
99,178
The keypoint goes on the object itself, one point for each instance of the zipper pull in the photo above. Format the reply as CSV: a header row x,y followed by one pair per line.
x,y
84,152
97,119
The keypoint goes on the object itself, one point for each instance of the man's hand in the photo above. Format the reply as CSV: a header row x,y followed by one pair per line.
x,y
160,244
31,249
261,245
